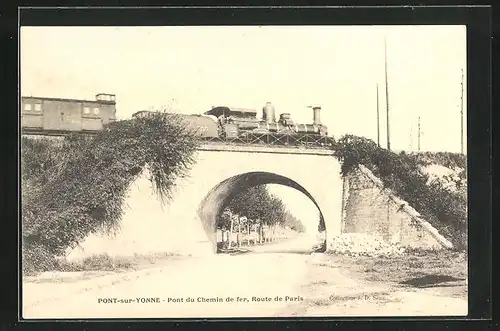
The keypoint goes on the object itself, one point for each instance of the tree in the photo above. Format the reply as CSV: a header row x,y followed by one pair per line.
x,y
293,223
258,203
259,206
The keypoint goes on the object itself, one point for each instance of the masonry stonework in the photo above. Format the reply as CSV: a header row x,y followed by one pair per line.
x,y
369,208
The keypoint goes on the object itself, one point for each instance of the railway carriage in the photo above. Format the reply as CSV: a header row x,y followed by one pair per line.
x,y
57,116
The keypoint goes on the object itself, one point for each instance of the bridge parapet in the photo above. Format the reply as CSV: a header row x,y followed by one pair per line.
x,y
268,140
276,140
221,147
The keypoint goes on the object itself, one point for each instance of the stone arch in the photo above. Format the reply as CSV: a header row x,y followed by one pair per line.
x,y
219,196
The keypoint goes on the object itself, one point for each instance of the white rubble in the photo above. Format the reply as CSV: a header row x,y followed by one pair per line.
x,y
360,244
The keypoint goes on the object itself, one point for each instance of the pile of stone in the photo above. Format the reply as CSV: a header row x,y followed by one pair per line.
x,y
360,244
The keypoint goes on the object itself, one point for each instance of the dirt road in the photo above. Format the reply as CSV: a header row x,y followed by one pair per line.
x,y
275,280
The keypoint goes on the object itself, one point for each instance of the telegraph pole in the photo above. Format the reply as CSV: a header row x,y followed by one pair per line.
x,y
462,115
378,121
411,137
418,139
387,96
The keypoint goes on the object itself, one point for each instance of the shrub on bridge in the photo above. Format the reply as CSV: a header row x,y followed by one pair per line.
x,y
401,173
78,186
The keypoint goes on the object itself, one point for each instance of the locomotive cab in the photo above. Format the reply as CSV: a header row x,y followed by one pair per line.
x,y
232,112
286,119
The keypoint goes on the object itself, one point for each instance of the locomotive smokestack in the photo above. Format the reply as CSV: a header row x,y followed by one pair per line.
x,y
316,115
268,113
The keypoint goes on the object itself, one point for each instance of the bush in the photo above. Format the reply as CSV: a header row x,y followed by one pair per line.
x,y
37,258
446,211
100,262
446,159
78,186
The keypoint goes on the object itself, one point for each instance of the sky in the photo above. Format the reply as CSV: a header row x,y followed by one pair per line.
x,y
191,69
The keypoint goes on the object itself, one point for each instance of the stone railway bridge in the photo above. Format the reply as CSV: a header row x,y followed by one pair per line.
x,y
355,203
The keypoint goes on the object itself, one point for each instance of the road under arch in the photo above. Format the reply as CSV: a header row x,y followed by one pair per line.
x,y
217,199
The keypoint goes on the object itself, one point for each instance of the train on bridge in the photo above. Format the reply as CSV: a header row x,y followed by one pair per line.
x,y
228,124
59,117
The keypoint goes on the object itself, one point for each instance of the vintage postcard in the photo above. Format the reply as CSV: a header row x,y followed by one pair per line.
x,y
243,171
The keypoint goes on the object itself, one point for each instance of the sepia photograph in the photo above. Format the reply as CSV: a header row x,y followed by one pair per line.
x,y
243,171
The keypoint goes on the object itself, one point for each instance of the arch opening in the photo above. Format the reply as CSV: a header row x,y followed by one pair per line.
x,y
213,204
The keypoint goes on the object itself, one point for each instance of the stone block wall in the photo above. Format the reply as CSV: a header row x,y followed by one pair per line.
x,y
369,208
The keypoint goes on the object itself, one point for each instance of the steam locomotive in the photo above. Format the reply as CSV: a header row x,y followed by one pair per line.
x,y
238,123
